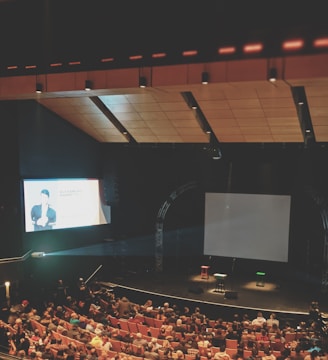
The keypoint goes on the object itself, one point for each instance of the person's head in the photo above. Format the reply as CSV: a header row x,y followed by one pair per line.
x,y
267,351
273,316
45,196
314,354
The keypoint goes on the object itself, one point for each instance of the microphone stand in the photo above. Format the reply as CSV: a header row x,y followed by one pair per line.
x,y
232,273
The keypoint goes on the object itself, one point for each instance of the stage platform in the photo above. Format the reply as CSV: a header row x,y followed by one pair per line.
x,y
242,292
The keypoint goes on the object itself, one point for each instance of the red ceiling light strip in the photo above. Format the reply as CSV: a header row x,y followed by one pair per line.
x,y
158,55
288,45
293,44
107,60
190,53
226,50
136,57
320,42
253,48
56,64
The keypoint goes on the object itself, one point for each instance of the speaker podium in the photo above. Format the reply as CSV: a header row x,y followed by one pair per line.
x,y
220,282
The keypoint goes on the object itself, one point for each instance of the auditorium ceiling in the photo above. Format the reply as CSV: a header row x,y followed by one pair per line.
x,y
238,105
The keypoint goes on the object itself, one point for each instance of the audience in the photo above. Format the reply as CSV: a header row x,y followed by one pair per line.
x,y
61,332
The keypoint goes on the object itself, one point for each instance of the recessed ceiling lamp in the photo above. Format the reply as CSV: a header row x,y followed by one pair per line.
x,y
142,82
272,75
88,85
38,88
205,77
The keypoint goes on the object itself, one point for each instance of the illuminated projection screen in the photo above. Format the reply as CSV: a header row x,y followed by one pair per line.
x,y
247,226
72,203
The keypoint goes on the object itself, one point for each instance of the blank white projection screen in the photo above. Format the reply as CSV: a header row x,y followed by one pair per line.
x,y
247,226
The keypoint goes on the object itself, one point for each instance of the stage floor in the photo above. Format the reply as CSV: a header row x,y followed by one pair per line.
x,y
279,296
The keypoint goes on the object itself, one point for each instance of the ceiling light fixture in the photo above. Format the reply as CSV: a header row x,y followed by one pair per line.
x,y
205,77
272,75
216,153
88,85
142,82
38,88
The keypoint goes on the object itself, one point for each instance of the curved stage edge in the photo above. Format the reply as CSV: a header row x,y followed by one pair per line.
x,y
243,294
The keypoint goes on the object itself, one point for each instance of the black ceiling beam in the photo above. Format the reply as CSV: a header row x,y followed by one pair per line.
x,y
113,119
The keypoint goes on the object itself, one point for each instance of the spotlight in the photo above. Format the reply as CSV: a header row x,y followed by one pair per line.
x,y
142,82
38,88
38,254
88,85
216,153
205,77
272,75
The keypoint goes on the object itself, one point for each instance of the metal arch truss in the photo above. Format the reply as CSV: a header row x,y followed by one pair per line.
x,y
324,277
322,204
160,223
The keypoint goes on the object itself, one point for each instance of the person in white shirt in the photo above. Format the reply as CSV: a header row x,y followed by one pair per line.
x,y
259,321
272,320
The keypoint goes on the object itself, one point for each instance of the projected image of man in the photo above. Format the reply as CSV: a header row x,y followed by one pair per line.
x,y
43,215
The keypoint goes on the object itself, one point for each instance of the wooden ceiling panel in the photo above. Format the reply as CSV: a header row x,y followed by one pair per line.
x,y
244,103
287,138
277,102
280,112
252,121
174,106
147,139
180,123
283,121
143,107
248,113
319,120
321,133
158,123
197,139
255,138
256,130
221,123
154,116
238,111
214,104
134,124
140,98
180,115
169,138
